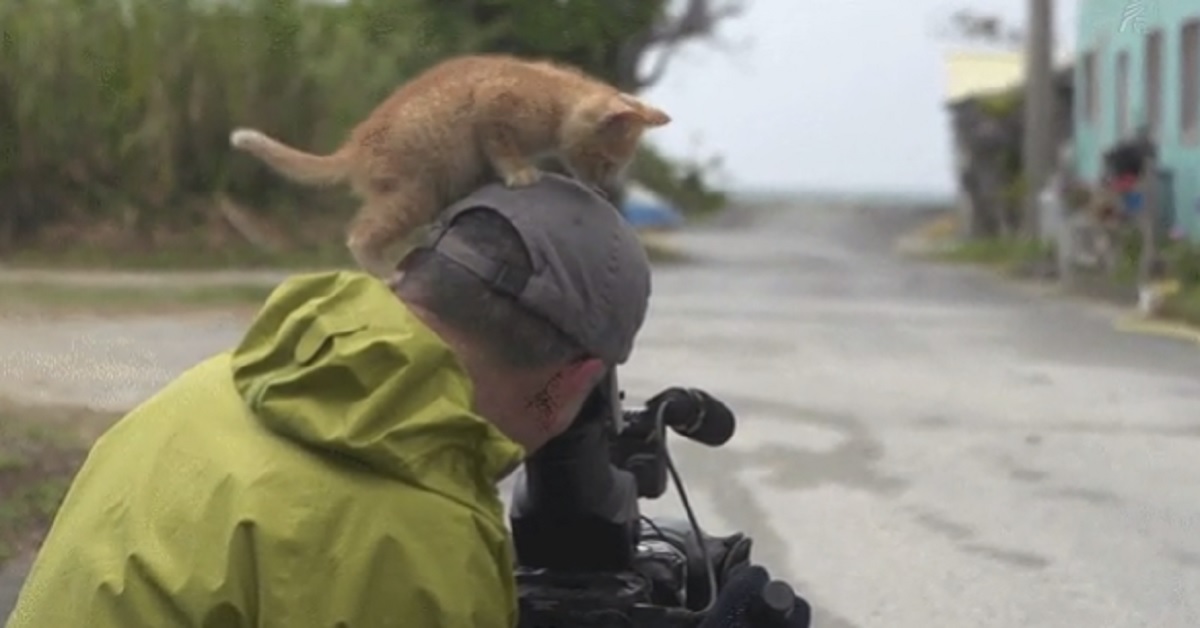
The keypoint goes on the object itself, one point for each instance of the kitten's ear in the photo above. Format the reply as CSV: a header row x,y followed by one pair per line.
x,y
624,109
650,116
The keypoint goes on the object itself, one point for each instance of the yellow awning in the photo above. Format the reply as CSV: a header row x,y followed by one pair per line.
x,y
971,73
977,72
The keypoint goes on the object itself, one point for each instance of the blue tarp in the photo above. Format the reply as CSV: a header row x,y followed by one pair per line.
x,y
644,209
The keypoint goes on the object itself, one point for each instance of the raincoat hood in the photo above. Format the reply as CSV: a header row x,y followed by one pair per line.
x,y
336,362
328,471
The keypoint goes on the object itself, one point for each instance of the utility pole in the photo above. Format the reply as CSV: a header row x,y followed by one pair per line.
x,y
1040,137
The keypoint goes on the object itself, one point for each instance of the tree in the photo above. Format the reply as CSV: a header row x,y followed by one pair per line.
x,y
664,36
609,38
967,25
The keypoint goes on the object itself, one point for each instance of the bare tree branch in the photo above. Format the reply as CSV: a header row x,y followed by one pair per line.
x,y
698,19
659,68
979,27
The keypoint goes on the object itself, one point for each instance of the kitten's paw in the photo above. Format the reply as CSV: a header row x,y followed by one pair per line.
x,y
242,138
522,178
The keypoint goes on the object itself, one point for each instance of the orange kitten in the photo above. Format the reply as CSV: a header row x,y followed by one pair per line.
x,y
457,125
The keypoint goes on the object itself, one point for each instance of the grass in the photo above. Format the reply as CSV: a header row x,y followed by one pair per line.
x,y
943,227
1183,305
19,296
41,448
1005,254
191,253
1002,254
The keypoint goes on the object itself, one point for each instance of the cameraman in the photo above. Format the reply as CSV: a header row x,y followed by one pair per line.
x,y
338,467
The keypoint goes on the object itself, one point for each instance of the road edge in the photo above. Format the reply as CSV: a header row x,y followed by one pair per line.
x,y
938,235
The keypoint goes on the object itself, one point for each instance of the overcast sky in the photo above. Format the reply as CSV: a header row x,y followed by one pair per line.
x,y
827,94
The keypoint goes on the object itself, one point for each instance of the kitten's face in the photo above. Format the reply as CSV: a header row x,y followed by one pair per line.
x,y
600,158
602,149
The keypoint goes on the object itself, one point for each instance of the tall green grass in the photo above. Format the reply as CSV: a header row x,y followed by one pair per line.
x,y
116,114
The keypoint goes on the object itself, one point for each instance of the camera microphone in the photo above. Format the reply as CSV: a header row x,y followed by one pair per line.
x,y
695,414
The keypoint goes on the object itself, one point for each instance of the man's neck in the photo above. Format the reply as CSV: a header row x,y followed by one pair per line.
x,y
499,392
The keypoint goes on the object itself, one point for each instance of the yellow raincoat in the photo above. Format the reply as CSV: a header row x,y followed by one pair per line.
x,y
328,472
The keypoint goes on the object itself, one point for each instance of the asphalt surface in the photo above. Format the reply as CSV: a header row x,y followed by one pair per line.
x,y
919,446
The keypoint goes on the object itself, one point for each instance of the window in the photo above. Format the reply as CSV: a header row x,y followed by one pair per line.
x,y
1088,89
1189,82
1122,86
1153,82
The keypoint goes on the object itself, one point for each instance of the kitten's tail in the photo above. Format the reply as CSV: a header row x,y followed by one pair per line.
x,y
294,164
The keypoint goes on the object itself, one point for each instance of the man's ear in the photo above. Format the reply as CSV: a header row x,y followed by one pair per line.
x,y
580,377
564,393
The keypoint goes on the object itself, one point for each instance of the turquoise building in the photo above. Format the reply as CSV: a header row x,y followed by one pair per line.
x,y
1138,62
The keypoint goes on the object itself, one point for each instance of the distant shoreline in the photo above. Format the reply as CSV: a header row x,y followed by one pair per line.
x,y
854,197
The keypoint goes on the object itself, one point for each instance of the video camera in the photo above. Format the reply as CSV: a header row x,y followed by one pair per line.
x,y
586,557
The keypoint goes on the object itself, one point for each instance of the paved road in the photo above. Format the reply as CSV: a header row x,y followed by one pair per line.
x,y
920,447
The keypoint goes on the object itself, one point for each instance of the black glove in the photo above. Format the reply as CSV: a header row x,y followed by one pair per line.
x,y
750,599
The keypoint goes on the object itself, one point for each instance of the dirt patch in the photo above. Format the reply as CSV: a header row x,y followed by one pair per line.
x,y
41,448
215,244
660,249
31,297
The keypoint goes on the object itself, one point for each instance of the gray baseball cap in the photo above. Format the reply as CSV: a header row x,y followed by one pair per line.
x,y
591,275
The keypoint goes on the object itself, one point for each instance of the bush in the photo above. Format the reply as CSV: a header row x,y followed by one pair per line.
x,y
1183,262
1002,104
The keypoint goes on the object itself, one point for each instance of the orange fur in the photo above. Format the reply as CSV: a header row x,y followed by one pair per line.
x,y
463,122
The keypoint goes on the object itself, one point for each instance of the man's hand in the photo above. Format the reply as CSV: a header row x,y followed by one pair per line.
x,y
750,599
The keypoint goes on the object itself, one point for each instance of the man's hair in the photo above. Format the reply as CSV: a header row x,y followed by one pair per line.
x,y
507,332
